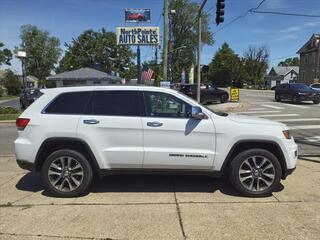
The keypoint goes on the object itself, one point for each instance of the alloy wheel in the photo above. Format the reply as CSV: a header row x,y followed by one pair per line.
x,y
65,174
257,173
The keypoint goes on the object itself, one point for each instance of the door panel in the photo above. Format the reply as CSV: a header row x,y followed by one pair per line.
x,y
112,127
175,141
117,140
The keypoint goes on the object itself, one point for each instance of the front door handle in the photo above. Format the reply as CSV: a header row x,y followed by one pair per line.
x,y
154,124
91,121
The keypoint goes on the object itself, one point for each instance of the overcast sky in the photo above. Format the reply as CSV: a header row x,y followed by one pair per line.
x,y
66,19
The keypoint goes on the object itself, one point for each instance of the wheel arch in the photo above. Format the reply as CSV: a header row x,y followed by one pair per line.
x,y
268,145
56,143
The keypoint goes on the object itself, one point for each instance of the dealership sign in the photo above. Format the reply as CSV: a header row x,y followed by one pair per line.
x,y
137,15
138,35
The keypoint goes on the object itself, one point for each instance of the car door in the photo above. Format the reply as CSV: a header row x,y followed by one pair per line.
x,y
112,127
172,139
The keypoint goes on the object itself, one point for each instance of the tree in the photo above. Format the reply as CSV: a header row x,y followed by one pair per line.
x,y
226,68
256,64
43,51
99,50
11,82
5,55
185,33
290,62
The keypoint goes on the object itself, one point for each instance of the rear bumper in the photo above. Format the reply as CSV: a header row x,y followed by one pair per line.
x,y
287,172
26,165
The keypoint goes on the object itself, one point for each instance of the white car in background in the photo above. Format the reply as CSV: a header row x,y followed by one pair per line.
x,y
315,86
71,134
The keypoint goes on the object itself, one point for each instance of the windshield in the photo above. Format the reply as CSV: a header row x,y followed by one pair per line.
x,y
300,87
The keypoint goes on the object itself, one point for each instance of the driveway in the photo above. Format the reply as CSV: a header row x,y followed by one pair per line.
x,y
159,207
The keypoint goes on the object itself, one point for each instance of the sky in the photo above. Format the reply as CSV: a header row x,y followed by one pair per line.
x,y
67,19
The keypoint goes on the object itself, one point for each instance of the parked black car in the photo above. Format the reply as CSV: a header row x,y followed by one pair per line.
x,y
296,92
28,96
208,93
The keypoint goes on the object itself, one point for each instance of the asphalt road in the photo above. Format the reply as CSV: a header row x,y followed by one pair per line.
x,y
10,103
303,119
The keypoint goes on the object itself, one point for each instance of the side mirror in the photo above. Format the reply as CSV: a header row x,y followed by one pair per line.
x,y
197,113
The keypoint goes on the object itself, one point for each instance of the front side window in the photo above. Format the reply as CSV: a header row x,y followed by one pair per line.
x,y
114,103
68,103
159,104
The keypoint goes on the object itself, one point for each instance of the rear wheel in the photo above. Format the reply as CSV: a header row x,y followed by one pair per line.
x,y
66,173
255,172
316,101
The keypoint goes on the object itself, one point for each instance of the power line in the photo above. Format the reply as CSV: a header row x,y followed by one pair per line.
x,y
241,16
294,55
287,14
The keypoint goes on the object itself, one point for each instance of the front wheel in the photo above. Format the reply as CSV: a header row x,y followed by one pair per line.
x,y
278,98
295,99
224,98
66,173
255,173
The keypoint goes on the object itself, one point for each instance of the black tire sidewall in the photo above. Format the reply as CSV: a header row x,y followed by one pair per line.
x,y
234,172
223,98
87,178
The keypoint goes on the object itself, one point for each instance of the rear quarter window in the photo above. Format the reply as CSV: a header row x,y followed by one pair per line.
x,y
68,103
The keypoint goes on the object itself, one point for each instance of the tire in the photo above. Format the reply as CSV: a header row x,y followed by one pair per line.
x,y
277,98
295,100
316,101
244,185
224,98
72,183
22,106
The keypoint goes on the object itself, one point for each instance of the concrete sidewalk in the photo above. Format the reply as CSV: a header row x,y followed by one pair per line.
x,y
159,207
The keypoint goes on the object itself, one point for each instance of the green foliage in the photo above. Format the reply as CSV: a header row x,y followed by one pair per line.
x,y
12,83
43,51
290,62
8,110
256,64
1,91
226,68
5,55
97,48
185,33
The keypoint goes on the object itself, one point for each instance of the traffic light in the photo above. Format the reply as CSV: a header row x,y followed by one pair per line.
x,y
220,12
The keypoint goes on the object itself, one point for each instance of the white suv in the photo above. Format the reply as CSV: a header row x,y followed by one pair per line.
x,y
72,134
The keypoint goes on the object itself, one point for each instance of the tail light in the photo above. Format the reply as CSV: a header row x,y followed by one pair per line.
x,y
21,123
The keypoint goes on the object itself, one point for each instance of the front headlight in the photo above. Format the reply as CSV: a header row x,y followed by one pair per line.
x,y
286,134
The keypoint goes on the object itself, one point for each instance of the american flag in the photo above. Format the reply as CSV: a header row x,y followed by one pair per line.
x,y
146,73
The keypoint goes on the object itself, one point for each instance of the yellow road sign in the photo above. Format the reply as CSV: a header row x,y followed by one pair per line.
x,y
234,94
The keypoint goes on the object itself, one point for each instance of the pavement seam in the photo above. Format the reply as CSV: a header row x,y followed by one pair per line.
x,y
178,210
10,179
136,204
275,198
53,236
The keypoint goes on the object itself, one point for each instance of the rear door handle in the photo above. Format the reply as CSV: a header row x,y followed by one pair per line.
x,y
90,121
154,124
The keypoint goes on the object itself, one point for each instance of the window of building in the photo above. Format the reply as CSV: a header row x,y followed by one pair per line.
x,y
165,105
114,103
69,103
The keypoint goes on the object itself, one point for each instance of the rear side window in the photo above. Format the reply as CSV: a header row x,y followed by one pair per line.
x,y
69,103
114,103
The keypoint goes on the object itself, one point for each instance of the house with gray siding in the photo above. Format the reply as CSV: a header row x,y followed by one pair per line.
x,y
310,60
279,75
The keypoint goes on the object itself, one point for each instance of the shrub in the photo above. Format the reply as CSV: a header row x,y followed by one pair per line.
x,y
8,110
12,83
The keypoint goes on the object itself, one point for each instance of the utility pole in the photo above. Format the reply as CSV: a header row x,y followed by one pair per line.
x,y
138,65
199,49
165,39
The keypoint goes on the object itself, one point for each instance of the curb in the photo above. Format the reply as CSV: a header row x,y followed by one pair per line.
x,y
7,121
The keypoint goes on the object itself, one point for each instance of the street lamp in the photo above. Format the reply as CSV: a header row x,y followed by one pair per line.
x,y
22,55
